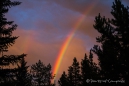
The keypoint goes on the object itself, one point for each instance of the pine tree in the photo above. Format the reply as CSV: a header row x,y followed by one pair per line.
x,y
85,70
41,74
70,76
23,78
63,81
7,40
89,70
74,76
114,50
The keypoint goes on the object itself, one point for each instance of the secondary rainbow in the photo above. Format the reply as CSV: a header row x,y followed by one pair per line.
x,y
68,39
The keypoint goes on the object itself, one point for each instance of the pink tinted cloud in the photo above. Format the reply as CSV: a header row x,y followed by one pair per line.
x,y
35,50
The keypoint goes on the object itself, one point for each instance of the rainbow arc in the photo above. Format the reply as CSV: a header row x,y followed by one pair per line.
x,y
68,39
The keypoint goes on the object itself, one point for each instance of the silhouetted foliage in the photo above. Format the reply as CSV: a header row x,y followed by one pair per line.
x,y
73,77
74,73
77,75
23,78
63,81
89,70
113,54
41,74
7,74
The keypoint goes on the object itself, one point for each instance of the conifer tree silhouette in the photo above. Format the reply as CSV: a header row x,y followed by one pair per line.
x,y
22,76
89,70
41,74
63,81
77,75
7,74
74,73
113,54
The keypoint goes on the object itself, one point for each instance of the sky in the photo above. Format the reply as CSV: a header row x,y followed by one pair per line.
x,y
45,25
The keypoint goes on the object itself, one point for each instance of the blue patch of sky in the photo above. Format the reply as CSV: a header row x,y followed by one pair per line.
x,y
27,17
125,2
24,19
110,2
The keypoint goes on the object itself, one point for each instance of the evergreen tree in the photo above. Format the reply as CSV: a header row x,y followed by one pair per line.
x,y
74,76
7,40
41,74
70,76
78,76
22,76
85,69
63,81
89,70
114,52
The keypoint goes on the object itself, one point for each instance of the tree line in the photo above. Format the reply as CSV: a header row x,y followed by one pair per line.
x,y
113,55
13,68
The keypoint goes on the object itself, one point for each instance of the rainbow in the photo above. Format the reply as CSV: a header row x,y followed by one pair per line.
x,y
68,39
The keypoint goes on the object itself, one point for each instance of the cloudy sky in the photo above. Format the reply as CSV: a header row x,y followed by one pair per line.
x,y
44,25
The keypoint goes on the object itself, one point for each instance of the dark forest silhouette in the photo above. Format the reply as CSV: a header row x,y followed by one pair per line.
x,y
113,55
7,73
